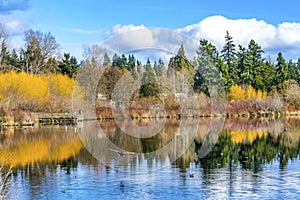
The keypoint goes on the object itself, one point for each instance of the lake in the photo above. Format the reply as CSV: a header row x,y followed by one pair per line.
x,y
182,159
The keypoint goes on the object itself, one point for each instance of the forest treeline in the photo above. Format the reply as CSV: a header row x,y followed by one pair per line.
x,y
247,75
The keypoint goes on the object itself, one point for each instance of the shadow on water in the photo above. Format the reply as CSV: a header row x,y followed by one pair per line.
x,y
46,157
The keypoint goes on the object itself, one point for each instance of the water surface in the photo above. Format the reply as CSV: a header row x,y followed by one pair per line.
x,y
252,159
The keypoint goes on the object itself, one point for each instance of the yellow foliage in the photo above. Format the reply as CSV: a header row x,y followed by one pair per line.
x,y
250,92
238,93
40,150
241,136
36,90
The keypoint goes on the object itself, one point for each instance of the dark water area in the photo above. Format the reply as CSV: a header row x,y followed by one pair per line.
x,y
242,158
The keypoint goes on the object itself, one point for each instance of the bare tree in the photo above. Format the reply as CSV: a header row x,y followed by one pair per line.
x,y
38,49
3,46
94,56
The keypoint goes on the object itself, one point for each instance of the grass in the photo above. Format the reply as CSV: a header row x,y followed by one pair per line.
x,y
5,172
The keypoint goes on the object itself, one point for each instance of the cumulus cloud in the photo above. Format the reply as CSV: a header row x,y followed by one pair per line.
x,y
161,42
118,29
285,37
11,5
13,25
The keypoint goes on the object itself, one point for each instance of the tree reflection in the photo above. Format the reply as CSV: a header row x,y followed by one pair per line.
x,y
246,143
254,145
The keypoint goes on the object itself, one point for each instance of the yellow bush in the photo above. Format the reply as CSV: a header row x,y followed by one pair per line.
x,y
238,93
250,92
17,89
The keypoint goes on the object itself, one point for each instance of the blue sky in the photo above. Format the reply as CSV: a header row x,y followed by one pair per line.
x,y
76,23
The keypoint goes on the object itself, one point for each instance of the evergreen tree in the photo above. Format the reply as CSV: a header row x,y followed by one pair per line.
x,y
282,72
241,56
269,75
116,60
228,54
161,69
293,71
68,65
206,62
15,61
106,60
253,68
132,67
298,68
140,69
124,63
148,82
155,68
179,65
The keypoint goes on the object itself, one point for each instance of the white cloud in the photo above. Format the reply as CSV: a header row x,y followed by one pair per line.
x,y
118,29
285,37
129,38
13,24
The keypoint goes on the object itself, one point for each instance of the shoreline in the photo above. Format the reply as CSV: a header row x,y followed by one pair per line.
x,y
32,119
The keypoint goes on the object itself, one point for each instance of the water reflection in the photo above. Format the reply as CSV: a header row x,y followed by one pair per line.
x,y
22,147
248,154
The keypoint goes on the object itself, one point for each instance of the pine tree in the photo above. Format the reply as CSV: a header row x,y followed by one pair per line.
x,y
282,72
241,56
106,60
293,71
269,76
68,65
116,60
161,70
149,86
179,65
253,68
228,54
132,67
206,61
15,61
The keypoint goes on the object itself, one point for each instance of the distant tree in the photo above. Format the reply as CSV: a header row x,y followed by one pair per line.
x,y
228,54
282,72
131,66
4,54
155,67
116,60
206,65
109,78
106,60
124,62
94,56
253,68
68,65
38,49
298,68
149,86
180,70
51,65
161,69
15,61
241,56
293,71
140,69
269,75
